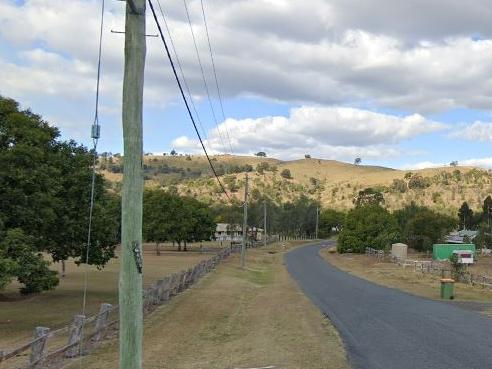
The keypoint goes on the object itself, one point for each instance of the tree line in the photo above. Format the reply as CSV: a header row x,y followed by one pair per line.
x,y
369,224
45,186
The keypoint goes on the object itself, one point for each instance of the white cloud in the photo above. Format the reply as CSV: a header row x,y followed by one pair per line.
x,y
328,52
423,165
329,132
477,131
485,163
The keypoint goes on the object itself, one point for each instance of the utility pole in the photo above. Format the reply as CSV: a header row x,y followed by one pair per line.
x,y
245,223
264,224
130,281
317,221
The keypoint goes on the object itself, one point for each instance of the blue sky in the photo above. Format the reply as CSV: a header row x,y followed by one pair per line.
x,y
411,90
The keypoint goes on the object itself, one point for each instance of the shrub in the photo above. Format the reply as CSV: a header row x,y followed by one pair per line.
x,y
286,174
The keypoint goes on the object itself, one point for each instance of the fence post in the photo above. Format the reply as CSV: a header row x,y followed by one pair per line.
x,y
102,321
75,336
38,346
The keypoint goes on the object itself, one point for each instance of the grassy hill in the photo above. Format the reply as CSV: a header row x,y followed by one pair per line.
x,y
334,183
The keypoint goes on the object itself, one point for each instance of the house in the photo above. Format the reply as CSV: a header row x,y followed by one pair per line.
x,y
459,236
228,232
234,232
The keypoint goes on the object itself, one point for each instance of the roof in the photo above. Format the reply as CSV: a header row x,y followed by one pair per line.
x,y
226,227
466,232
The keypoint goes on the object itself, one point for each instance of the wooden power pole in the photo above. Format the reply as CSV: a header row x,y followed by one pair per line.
x,y
130,283
245,223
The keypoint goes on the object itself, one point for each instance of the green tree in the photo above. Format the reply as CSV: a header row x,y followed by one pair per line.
x,y
170,217
484,236
156,217
369,196
45,189
487,208
422,227
22,261
368,226
330,221
465,216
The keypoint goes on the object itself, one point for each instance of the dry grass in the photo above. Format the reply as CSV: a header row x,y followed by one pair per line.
x,y
19,315
339,182
394,276
234,318
482,266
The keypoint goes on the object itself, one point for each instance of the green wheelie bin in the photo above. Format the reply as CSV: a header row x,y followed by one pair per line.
x,y
447,289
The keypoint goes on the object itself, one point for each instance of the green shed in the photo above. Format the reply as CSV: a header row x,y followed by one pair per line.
x,y
442,251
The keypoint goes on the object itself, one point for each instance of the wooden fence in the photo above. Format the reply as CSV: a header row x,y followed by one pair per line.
x,y
376,253
50,346
442,269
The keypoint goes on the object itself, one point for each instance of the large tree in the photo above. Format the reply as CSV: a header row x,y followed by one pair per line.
x,y
330,221
368,226
45,190
465,216
421,227
170,217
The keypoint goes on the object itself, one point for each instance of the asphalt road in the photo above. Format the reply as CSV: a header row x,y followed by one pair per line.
x,y
383,328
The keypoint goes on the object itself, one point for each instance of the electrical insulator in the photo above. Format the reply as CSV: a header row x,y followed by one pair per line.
x,y
96,131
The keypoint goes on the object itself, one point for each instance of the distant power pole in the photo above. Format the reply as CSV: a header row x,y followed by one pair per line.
x,y
130,282
245,223
264,224
317,221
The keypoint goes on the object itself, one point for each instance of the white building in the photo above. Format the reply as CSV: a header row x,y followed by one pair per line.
x,y
234,232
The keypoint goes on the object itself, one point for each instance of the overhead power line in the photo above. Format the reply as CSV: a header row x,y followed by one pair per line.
x,y
184,97
178,60
203,74
95,134
215,76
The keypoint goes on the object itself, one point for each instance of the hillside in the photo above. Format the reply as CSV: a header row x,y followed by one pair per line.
x,y
334,183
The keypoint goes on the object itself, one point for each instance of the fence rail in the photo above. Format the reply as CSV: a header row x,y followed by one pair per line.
x,y
442,269
432,267
51,345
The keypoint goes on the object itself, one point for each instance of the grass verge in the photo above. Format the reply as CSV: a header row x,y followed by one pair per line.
x,y
237,318
394,276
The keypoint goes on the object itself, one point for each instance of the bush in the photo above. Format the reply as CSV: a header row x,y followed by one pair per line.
x,y
457,269
286,174
399,185
418,182
262,167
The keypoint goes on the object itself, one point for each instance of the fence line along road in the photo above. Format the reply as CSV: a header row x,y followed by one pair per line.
x,y
433,267
51,346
